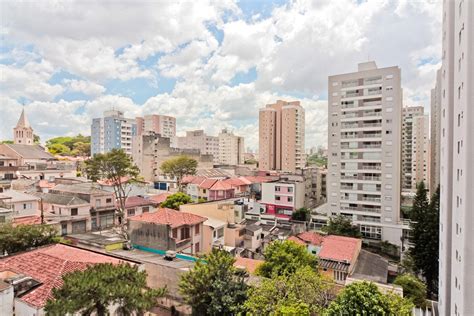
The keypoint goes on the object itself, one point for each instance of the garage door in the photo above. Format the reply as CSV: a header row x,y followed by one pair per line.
x,y
79,227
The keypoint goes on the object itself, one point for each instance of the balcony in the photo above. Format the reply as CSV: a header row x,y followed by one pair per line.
x,y
371,199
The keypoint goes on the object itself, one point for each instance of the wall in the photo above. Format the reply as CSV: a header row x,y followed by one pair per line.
x,y
6,301
150,235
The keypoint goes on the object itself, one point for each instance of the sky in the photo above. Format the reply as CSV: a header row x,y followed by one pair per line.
x,y
211,64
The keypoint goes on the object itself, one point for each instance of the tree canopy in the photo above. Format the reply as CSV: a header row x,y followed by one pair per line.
x,y
179,167
364,298
301,214
119,170
175,200
305,291
413,289
339,225
70,145
284,258
24,237
215,286
98,287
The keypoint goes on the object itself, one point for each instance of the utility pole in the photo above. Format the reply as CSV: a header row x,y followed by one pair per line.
x,y
42,211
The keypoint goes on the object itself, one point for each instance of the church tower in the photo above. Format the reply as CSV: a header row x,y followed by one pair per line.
x,y
23,133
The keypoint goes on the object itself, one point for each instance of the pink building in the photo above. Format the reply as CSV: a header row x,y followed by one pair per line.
x,y
281,198
221,190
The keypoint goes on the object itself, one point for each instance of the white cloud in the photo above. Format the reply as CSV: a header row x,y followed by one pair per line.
x,y
86,87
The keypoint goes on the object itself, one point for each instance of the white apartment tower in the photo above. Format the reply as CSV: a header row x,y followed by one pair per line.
x,y
364,150
231,148
415,148
435,129
456,259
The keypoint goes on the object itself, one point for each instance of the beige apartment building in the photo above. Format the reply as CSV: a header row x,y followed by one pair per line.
x,y
456,258
415,148
160,124
364,151
197,139
231,148
435,129
281,136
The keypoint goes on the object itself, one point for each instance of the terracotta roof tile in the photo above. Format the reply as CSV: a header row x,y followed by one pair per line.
x,y
311,238
167,216
160,198
221,185
48,264
134,201
249,264
339,248
207,184
297,240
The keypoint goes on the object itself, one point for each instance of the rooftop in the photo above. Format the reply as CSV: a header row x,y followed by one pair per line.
x,y
30,151
160,198
48,264
85,188
249,264
214,222
371,267
221,185
134,201
61,199
312,238
167,216
339,248
17,196
207,184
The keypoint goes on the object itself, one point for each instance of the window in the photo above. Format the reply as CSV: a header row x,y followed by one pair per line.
x,y
388,76
277,189
196,248
290,199
108,200
145,209
290,189
220,233
175,233
74,211
196,229
277,198
185,233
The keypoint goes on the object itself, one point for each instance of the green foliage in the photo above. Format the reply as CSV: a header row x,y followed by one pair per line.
x,y
201,200
413,289
339,225
284,258
6,142
76,145
250,162
301,214
305,290
179,167
175,200
215,287
114,166
425,237
96,288
24,237
317,160
36,139
364,298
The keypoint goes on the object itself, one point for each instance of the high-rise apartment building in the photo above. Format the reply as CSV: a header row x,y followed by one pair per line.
x,y
456,258
435,129
23,132
112,131
415,148
364,151
197,139
281,136
231,148
160,124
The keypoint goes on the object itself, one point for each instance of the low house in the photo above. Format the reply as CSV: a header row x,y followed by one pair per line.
x,y
102,203
168,229
220,190
21,204
281,198
213,234
136,205
33,274
253,238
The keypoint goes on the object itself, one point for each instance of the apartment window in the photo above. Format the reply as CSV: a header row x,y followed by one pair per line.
x,y
388,132
290,189
389,77
388,186
196,229
389,98
335,83
388,121
145,209
290,199
196,248
175,233
277,198
389,110
74,211
131,212
389,88
388,198
277,189
185,233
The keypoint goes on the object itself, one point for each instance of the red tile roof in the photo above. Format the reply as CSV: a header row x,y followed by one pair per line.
x,y
27,220
187,179
339,248
160,198
134,201
108,182
297,240
312,238
235,182
167,216
207,184
48,264
46,184
249,264
221,185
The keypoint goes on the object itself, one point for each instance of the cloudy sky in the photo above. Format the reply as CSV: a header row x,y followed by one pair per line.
x,y
211,64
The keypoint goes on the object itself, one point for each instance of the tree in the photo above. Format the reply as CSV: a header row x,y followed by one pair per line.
x,y
100,286
284,258
179,167
81,149
36,139
175,200
24,237
59,149
339,225
77,145
214,286
6,142
118,169
425,237
304,290
413,289
301,214
364,298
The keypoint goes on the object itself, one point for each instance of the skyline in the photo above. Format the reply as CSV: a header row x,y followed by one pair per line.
x,y
207,63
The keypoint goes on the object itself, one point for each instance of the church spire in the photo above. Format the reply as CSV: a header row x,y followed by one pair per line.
x,y
23,121
23,133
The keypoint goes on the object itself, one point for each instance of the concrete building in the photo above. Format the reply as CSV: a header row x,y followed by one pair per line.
x,y
281,198
364,136
456,259
160,124
23,132
415,148
197,139
435,133
113,131
231,148
281,136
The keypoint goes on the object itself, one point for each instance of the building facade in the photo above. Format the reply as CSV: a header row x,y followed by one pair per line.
x,y
23,132
231,148
197,139
113,131
281,136
160,124
415,148
364,136
435,117
456,259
